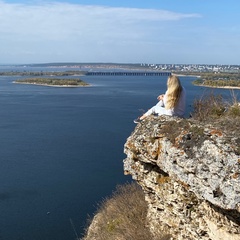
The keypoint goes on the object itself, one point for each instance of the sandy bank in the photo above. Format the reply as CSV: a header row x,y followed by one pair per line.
x,y
225,87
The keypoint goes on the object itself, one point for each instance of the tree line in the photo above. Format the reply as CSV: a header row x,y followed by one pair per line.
x,y
218,80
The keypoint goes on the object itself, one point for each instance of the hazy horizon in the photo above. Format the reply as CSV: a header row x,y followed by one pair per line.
x,y
108,63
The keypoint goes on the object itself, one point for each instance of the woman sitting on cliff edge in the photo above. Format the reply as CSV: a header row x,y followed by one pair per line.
x,y
172,103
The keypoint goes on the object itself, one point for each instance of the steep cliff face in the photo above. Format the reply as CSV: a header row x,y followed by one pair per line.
x,y
190,174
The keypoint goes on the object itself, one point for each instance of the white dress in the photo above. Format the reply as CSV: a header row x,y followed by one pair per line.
x,y
178,110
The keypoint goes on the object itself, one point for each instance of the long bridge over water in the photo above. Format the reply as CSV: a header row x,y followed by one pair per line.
x,y
130,73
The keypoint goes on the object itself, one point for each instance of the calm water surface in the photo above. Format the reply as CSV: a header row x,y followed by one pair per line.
x,y
62,150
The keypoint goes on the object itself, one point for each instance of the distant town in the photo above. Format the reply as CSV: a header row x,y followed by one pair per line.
x,y
156,67
194,68
178,68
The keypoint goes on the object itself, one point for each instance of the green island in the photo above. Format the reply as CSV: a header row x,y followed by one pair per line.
x,y
55,82
218,80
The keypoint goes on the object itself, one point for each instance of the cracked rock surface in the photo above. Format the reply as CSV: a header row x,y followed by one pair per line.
x,y
190,174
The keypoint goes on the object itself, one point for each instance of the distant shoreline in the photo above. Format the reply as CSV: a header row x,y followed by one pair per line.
x,y
186,75
224,87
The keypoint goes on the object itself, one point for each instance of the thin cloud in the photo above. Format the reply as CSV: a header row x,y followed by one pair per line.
x,y
55,18
69,30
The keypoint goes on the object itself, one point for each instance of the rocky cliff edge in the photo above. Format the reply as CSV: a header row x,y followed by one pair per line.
x,y
190,174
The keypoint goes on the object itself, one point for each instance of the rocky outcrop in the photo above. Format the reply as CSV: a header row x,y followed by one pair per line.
x,y
190,174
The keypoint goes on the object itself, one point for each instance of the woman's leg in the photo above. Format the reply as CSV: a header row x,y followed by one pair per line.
x,y
154,110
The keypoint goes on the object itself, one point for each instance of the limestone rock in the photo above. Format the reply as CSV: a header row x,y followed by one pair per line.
x,y
190,174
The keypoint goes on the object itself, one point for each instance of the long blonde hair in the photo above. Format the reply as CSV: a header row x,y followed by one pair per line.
x,y
173,92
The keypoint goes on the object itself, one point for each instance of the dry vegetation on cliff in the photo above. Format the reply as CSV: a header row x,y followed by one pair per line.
x,y
212,109
122,217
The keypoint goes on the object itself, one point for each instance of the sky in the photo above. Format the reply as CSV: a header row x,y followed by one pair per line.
x,y
123,31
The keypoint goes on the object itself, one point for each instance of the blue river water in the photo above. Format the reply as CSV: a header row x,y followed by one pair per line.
x,y
62,149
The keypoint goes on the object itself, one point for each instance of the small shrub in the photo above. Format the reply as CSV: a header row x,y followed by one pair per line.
x,y
209,107
213,110
234,110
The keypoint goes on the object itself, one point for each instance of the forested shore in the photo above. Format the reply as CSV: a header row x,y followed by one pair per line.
x,y
218,80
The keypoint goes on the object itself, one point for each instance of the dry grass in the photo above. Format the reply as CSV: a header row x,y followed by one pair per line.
x,y
123,216
212,109
208,107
